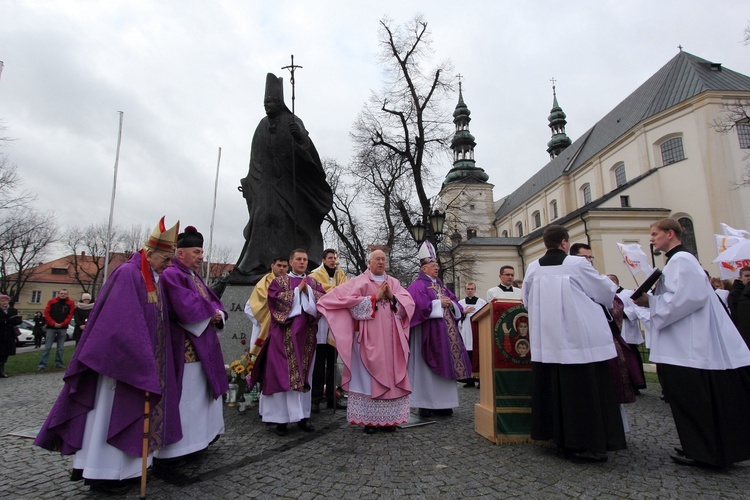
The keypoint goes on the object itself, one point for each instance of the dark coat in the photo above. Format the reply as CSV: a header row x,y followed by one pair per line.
x,y
8,323
742,314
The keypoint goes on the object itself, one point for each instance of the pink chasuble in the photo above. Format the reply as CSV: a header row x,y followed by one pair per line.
x,y
382,333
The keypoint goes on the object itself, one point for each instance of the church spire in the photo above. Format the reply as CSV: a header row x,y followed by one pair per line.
x,y
464,168
557,122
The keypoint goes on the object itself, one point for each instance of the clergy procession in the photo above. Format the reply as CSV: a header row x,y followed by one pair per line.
x,y
145,387
552,360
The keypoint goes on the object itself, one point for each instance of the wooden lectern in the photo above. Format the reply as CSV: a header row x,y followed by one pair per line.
x,y
503,414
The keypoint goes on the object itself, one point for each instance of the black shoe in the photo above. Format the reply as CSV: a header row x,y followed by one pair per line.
x,y
444,412
111,487
281,430
305,425
315,408
683,460
388,428
425,413
369,429
588,456
4,375
470,384
169,463
679,450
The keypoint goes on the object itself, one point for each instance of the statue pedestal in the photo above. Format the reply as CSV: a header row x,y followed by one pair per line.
x,y
237,328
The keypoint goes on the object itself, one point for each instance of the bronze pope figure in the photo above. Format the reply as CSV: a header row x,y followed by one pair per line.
x,y
285,189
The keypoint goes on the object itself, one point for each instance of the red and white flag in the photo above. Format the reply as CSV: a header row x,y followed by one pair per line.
x,y
635,258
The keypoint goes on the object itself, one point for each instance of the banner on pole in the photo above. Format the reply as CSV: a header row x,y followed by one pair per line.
x,y
635,258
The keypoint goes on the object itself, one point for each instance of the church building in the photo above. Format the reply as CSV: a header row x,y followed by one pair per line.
x,y
656,154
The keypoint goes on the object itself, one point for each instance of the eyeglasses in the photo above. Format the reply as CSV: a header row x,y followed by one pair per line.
x,y
589,257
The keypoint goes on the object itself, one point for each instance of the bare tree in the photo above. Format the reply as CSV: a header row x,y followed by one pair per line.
x,y
344,223
132,239
407,119
25,233
88,247
400,134
746,38
25,236
734,116
221,264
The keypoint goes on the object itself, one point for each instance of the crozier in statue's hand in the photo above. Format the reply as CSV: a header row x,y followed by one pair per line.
x,y
295,131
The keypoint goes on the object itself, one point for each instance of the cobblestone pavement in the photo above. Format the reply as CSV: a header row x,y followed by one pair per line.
x,y
446,459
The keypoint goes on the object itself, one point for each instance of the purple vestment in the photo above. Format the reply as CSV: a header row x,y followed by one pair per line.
x,y
286,357
126,338
443,349
191,301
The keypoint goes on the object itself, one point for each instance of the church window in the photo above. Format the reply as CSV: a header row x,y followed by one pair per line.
x,y
586,190
505,233
671,151
743,134
537,219
553,210
471,233
624,201
620,177
519,228
688,235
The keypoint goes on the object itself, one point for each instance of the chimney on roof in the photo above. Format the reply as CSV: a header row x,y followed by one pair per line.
x,y
715,66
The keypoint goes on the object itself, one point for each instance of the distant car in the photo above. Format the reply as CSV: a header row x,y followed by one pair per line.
x,y
28,323
26,336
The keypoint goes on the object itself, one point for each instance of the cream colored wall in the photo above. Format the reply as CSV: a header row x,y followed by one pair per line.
x,y
487,263
27,309
458,198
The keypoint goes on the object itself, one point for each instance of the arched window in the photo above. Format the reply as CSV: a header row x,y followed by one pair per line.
x,y
671,151
620,177
519,229
537,219
505,234
553,210
586,190
743,134
688,235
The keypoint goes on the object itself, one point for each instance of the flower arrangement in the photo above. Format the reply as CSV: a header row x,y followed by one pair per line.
x,y
238,371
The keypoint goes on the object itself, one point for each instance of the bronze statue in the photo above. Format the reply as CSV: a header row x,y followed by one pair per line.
x,y
285,189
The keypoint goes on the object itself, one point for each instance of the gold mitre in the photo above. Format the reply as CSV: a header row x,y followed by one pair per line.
x,y
162,238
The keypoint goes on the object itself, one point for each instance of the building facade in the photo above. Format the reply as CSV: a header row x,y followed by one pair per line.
x,y
656,154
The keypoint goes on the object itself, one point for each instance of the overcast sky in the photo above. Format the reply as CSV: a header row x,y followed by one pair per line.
x,y
189,77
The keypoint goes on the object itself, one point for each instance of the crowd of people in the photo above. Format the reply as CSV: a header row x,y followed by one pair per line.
x,y
145,384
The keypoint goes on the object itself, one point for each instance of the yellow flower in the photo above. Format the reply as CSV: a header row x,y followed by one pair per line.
x,y
239,369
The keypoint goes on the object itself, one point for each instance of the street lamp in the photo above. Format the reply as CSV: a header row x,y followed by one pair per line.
x,y
435,222
418,231
654,253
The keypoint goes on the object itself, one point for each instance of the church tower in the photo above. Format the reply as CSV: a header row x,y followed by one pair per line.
x,y
465,194
557,122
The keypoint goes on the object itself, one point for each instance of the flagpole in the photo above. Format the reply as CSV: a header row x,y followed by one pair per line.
x,y
211,229
112,202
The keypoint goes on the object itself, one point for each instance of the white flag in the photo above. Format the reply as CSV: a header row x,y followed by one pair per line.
x,y
730,231
729,270
635,258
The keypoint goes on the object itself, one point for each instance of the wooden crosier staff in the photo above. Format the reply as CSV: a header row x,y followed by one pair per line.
x,y
144,455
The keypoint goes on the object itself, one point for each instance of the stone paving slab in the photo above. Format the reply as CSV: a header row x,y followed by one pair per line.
x,y
444,460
